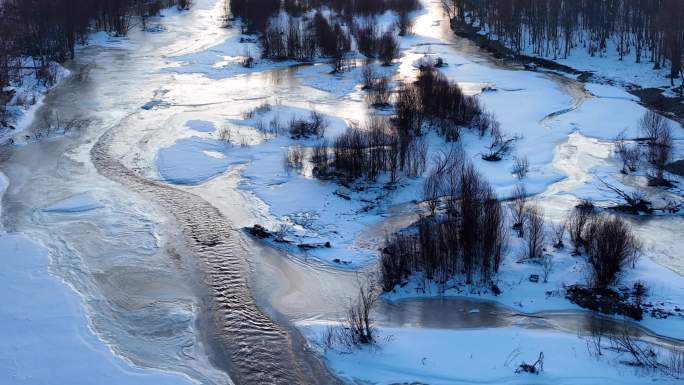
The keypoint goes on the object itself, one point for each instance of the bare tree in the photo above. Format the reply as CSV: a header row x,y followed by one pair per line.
x,y
359,321
658,134
500,143
634,201
628,153
534,231
558,232
624,341
467,239
408,110
547,267
577,220
521,166
519,209
320,158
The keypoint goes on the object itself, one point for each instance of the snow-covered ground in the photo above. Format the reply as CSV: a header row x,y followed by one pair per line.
x,y
470,356
607,66
45,335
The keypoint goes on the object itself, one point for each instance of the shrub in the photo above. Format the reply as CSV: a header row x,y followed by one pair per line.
x,y
365,153
370,76
314,126
225,136
434,99
547,267
405,24
558,232
388,48
628,153
380,92
610,246
293,158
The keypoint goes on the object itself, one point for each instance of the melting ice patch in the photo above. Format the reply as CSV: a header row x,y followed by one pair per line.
x,y
608,91
74,204
193,160
201,125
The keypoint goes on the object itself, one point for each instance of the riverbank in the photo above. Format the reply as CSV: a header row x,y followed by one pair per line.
x,y
23,98
657,98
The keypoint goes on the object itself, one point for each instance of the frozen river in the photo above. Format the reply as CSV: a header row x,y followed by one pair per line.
x,y
166,277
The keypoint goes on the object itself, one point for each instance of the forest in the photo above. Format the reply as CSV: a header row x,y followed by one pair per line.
x,y
642,30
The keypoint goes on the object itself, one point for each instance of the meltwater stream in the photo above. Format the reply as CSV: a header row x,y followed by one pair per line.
x,y
161,278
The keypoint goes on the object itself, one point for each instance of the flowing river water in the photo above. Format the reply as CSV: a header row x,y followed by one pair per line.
x,y
166,277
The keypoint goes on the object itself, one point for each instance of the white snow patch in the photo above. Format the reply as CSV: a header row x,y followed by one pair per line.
x,y
608,91
105,39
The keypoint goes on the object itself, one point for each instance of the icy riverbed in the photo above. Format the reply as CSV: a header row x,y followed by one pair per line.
x,y
46,337
95,285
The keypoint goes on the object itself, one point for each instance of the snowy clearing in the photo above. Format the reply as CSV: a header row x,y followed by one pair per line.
x,y
434,356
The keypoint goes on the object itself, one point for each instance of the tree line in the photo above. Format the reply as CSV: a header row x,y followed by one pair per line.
x,y
302,30
647,30
256,14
